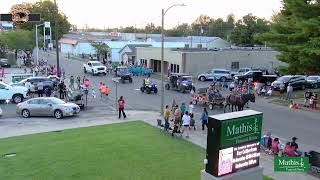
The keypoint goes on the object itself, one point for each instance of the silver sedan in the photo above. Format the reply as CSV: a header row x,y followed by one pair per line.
x,y
47,106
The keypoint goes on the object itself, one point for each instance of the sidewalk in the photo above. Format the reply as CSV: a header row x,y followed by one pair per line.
x,y
299,101
17,127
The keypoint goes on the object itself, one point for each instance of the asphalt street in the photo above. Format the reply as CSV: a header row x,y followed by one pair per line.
x,y
282,121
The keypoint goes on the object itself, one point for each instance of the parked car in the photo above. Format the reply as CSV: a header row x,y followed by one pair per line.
x,y
313,81
219,74
124,73
47,106
256,77
47,83
180,82
16,94
95,67
54,78
0,112
296,81
243,70
4,63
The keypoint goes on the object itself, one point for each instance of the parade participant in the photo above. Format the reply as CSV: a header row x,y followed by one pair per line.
x,y
147,81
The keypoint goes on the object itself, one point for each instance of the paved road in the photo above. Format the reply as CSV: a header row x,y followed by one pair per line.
x,y
283,122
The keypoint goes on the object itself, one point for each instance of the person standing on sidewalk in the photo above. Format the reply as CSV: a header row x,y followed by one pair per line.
x,y
204,118
40,89
186,123
166,115
182,109
289,92
121,107
78,81
72,82
61,89
190,109
282,89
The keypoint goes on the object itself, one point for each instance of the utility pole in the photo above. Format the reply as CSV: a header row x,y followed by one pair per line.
x,y
56,36
162,63
162,54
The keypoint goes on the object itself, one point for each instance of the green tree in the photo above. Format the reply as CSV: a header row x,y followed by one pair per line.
x,y
47,10
101,49
178,31
246,28
202,22
295,33
17,40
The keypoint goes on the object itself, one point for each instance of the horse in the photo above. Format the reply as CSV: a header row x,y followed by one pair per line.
x,y
238,101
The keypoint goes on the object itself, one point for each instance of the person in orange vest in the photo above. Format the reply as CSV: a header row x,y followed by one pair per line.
x,y
105,90
100,88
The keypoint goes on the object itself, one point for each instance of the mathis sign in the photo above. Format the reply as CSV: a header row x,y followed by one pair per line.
x,y
233,142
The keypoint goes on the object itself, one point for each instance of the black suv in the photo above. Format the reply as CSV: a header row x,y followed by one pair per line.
x,y
296,81
124,74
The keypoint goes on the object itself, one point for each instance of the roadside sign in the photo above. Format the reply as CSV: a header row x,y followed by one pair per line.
x,y
116,79
47,24
233,142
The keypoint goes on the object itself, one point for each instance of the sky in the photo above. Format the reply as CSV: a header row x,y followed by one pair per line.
x,y
108,13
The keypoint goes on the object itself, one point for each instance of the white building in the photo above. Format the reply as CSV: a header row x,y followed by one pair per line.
x,y
79,43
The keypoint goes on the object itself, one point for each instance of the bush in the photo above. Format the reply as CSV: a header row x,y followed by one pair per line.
x,y
282,69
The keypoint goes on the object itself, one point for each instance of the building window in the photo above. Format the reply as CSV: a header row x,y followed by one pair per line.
x,y
174,68
143,62
235,65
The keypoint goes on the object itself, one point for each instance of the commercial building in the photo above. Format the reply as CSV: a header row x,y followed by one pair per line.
x,y
194,61
78,44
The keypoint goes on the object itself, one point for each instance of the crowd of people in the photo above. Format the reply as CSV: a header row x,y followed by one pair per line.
x,y
310,99
275,146
180,119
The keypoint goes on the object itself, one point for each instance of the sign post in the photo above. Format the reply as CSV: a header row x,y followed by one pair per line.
x,y
116,80
233,146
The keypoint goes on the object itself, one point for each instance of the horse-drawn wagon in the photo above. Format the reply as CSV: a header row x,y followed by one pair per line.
x,y
202,96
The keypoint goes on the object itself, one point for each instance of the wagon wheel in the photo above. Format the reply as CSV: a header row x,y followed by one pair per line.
x,y
194,102
211,105
226,108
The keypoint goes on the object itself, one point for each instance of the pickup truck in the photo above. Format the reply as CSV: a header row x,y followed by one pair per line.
x,y
94,67
256,77
16,94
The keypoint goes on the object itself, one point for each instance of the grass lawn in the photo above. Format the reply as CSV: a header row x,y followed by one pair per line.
x,y
132,150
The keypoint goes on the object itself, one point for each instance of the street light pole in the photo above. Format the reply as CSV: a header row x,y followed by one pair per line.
x,y
56,36
37,46
162,62
37,43
163,13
